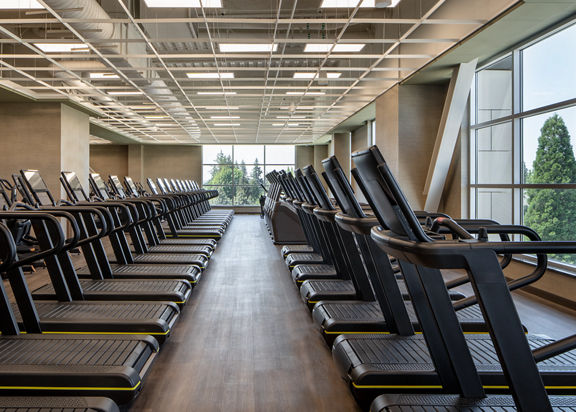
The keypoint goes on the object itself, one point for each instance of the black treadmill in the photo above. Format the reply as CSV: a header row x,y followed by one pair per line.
x,y
202,207
152,241
434,361
74,316
39,364
126,268
180,220
314,233
353,247
99,288
173,204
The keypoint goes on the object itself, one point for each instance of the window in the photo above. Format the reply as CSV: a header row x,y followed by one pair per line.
x,y
523,168
238,171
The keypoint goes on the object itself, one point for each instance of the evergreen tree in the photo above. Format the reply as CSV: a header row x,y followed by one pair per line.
x,y
552,212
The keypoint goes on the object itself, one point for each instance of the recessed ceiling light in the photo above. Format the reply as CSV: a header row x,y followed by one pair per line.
x,y
183,3
143,107
210,75
224,117
20,4
126,93
62,47
325,47
221,108
248,47
350,4
346,4
277,124
226,124
104,76
217,93
307,93
310,75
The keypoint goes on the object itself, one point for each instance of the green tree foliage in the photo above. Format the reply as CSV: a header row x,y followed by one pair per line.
x,y
236,185
552,212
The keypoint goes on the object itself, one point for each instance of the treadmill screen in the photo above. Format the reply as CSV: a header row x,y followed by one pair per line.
x,y
131,184
152,186
38,186
35,180
73,181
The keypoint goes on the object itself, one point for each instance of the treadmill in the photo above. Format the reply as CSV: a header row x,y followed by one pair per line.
x,y
374,364
42,196
178,217
313,232
172,204
202,207
316,290
39,364
99,288
154,226
75,316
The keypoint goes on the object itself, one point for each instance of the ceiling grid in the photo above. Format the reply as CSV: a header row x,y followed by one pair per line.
x,y
226,71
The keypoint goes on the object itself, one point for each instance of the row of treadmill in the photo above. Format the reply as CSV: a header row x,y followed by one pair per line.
x,y
122,263
380,280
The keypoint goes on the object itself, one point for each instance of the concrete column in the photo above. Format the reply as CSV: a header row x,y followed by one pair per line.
x,y
320,153
48,137
342,151
304,156
360,140
75,144
407,120
136,162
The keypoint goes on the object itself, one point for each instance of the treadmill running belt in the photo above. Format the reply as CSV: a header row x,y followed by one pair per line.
x,y
183,241
196,249
337,317
160,258
126,289
388,362
302,272
103,365
454,403
294,259
152,318
57,404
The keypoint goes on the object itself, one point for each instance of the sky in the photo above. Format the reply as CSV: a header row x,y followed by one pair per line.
x,y
549,76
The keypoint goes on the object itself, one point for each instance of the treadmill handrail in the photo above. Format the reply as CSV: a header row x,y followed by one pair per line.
x,y
56,229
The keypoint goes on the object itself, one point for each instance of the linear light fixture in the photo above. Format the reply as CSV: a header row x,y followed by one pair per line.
x,y
221,108
247,47
126,93
290,117
226,124
216,93
183,3
310,75
20,4
305,94
104,76
224,117
287,124
156,117
62,47
210,75
339,48
350,4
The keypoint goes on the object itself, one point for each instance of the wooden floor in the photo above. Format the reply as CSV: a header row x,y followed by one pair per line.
x,y
245,342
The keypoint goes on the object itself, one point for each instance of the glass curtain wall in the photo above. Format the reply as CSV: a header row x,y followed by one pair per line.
x,y
523,168
238,171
